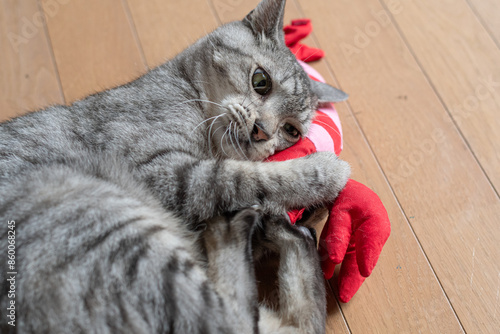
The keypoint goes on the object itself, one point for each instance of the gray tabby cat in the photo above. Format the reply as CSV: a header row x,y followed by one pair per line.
x,y
108,196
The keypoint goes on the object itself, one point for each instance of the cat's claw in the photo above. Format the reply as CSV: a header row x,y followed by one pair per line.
x,y
258,208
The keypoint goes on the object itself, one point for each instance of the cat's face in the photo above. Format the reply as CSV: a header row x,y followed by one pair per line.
x,y
263,101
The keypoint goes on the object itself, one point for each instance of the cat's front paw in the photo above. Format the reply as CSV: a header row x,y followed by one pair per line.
x,y
324,176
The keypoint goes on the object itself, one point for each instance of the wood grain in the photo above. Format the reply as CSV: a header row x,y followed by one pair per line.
x,y
488,12
28,79
94,45
443,192
335,323
463,64
403,294
167,27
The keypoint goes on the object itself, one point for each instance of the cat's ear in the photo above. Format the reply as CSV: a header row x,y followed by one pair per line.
x,y
327,93
267,19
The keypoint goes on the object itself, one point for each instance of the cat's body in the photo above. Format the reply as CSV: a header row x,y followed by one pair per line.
x,y
106,195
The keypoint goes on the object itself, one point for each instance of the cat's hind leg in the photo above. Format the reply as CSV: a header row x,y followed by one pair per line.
x,y
228,244
301,291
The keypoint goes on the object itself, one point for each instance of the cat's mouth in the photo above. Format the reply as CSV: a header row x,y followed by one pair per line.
x,y
237,134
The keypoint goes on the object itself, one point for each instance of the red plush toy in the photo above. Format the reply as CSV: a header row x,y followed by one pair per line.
x,y
358,225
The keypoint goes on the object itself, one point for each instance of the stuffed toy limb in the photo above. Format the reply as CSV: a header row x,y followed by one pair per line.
x,y
356,231
358,225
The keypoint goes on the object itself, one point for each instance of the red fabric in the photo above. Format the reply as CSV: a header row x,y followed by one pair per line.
x,y
300,149
355,233
358,225
298,30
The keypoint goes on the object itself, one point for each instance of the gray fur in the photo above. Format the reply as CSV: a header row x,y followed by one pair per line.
x,y
108,194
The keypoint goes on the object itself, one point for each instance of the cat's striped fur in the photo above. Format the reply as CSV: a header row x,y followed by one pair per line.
x,y
109,195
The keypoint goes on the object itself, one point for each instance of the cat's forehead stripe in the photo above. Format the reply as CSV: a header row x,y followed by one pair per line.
x,y
219,44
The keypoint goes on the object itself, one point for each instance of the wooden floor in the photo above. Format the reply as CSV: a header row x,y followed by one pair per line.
x,y
422,125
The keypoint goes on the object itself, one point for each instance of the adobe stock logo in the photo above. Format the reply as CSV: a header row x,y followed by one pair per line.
x,y
30,28
363,37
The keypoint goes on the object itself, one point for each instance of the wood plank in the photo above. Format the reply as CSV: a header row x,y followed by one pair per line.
x,y
29,78
463,64
93,44
335,323
489,13
441,188
167,27
402,295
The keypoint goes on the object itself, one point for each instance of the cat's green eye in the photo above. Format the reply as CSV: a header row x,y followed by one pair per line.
x,y
261,81
291,130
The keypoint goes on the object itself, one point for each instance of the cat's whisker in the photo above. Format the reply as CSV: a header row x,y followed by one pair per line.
x,y
249,138
209,136
259,127
231,138
243,124
243,102
199,100
222,141
238,142
305,60
246,96
290,65
248,132
210,141
208,119
251,102
295,53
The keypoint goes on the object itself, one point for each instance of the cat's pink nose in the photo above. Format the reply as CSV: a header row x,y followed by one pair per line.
x,y
258,134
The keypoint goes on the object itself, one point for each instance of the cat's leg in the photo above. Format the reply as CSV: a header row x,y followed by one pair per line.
x,y
301,290
201,189
228,244
95,253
